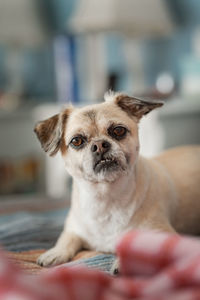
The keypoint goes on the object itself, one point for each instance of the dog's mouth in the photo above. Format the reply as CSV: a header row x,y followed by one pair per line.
x,y
106,164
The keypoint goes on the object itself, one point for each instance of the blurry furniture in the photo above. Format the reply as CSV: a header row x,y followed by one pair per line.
x,y
21,24
19,163
19,145
180,121
176,123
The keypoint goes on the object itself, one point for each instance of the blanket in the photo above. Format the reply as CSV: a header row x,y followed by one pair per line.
x,y
153,266
92,259
25,235
22,231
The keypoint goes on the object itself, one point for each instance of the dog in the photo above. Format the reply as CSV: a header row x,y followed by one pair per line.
x,y
116,190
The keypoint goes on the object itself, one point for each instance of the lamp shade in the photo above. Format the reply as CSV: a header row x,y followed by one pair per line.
x,y
135,17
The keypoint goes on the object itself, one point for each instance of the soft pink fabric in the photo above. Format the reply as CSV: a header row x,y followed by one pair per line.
x,y
154,266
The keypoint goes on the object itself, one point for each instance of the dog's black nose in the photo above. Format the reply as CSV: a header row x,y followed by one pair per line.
x,y
100,147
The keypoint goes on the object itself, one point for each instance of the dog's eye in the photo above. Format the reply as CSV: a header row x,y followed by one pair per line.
x,y
118,132
77,142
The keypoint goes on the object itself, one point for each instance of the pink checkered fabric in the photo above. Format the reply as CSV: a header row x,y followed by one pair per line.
x,y
154,266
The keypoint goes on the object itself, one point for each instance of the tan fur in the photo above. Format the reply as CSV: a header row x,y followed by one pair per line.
x,y
161,194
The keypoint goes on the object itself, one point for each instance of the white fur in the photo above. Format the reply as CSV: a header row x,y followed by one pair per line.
x,y
105,210
110,96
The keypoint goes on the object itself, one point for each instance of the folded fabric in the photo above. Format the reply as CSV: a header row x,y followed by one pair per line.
x,y
154,266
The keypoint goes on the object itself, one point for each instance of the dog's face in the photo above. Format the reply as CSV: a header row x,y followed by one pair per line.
x,y
101,142
98,142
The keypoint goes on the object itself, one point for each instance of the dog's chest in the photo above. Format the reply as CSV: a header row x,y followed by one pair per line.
x,y
103,219
101,231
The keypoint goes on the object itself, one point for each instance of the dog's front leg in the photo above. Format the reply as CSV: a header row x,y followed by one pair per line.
x,y
65,249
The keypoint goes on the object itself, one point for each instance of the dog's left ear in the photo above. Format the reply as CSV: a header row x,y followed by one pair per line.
x,y
136,107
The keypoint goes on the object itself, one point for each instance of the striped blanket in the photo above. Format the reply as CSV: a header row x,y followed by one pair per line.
x,y
25,231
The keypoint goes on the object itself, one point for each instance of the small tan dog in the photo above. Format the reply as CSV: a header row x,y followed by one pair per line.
x,y
114,189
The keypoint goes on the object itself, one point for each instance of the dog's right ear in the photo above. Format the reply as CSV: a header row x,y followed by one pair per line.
x,y
50,132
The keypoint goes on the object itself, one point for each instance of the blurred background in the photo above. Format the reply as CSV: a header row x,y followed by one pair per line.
x,y
53,52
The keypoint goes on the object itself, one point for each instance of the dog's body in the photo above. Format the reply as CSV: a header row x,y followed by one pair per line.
x,y
114,189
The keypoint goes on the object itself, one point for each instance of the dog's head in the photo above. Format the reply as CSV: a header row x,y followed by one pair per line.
x,y
98,142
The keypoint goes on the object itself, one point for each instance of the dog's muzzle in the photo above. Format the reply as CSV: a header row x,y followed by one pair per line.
x,y
105,164
103,158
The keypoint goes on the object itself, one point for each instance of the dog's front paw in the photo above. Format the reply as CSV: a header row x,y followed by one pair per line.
x,y
52,257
